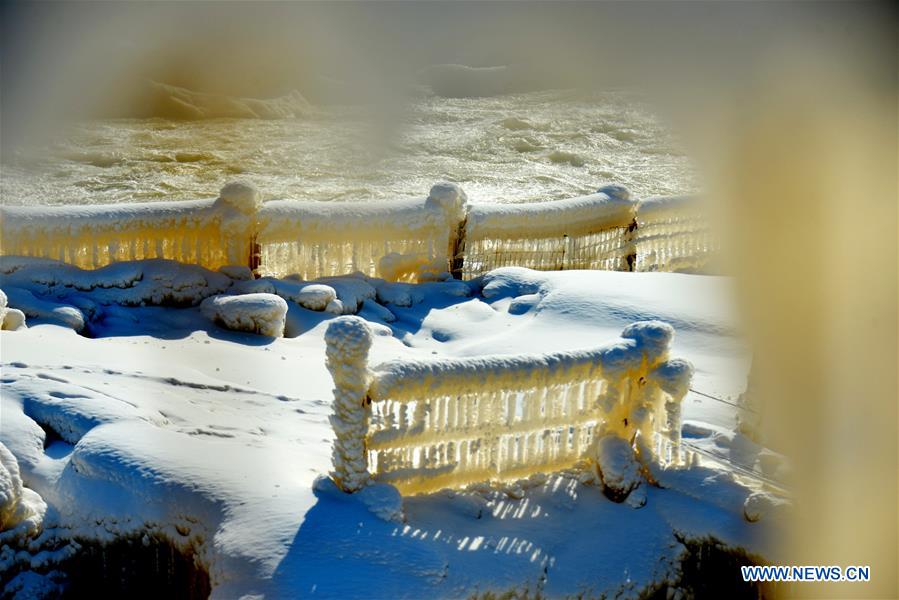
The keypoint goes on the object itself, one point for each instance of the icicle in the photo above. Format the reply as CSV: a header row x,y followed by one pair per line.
x,y
463,455
511,398
403,422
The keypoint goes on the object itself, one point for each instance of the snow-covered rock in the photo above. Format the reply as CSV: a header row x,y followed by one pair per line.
x,y
264,314
765,506
314,296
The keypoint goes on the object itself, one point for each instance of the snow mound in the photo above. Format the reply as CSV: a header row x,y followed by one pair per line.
x,y
384,501
617,467
264,314
32,306
352,291
764,506
237,272
129,283
314,296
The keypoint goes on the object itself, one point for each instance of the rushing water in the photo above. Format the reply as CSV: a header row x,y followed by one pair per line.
x,y
511,148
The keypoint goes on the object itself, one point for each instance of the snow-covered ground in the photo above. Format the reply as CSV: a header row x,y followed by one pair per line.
x,y
164,423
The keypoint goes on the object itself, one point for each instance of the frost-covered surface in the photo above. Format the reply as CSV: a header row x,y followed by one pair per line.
x,y
214,440
674,234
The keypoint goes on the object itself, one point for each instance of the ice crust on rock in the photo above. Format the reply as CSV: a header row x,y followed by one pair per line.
x,y
264,314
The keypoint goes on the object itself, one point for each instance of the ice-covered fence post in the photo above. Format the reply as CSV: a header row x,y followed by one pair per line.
x,y
658,375
348,340
673,378
630,256
240,202
454,203
619,192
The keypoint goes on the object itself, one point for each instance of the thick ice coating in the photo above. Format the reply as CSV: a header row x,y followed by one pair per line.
x,y
348,340
588,232
674,234
427,424
397,240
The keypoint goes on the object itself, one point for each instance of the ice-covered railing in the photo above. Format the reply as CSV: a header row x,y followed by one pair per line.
x,y
673,234
589,232
397,241
211,233
406,240
424,425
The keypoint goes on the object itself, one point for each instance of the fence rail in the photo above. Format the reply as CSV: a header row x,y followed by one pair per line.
x,y
426,425
400,241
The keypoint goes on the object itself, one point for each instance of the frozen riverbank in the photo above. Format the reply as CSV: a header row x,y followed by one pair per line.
x,y
163,422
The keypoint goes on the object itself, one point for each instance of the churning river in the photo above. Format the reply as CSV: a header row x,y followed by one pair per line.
x,y
508,148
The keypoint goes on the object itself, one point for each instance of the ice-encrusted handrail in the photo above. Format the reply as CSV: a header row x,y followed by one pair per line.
x,y
424,425
399,241
212,233
395,241
673,234
588,232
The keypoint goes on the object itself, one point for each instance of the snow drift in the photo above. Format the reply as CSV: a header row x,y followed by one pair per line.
x,y
222,455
